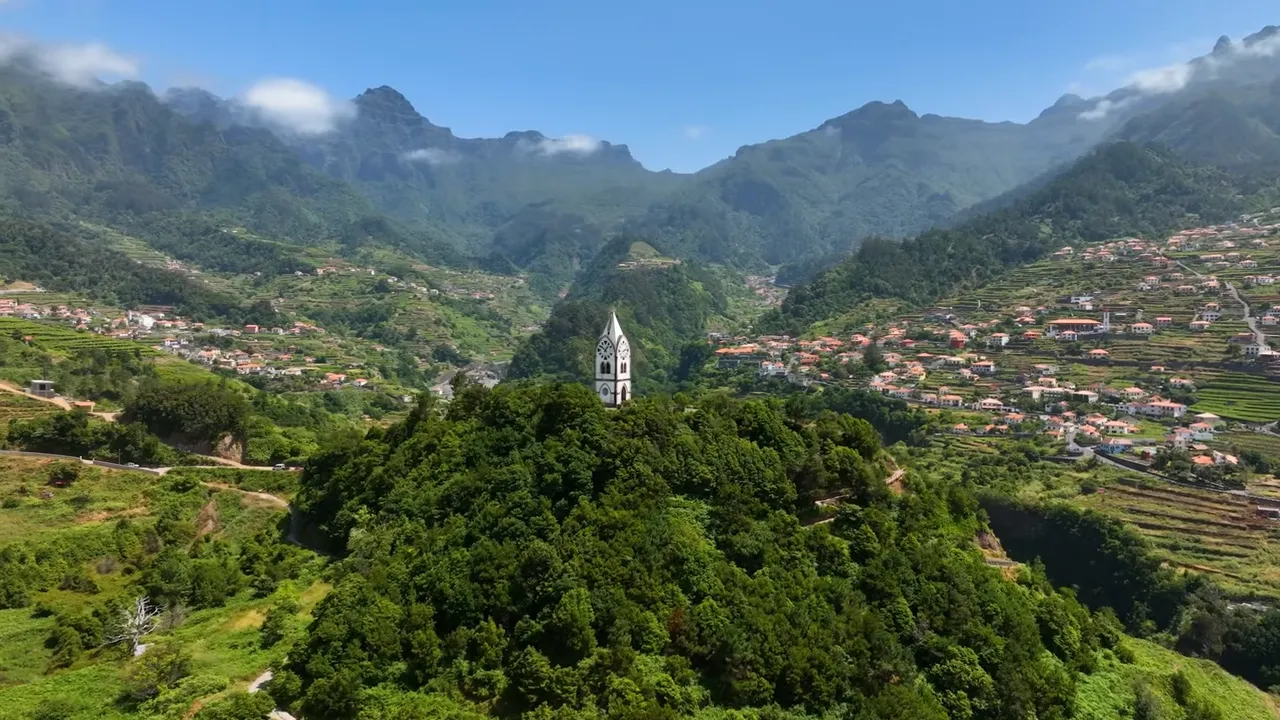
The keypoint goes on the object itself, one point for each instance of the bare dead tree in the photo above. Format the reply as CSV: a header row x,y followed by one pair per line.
x,y
135,623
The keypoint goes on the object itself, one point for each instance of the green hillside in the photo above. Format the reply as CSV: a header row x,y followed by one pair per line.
x,y
120,154
1120,189
879,170
1236,126
662,303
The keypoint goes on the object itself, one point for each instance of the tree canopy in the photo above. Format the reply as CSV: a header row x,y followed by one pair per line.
x,y
530,551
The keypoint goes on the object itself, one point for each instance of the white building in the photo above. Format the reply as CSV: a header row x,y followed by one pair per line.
x,y
1157,408
613,364
768,368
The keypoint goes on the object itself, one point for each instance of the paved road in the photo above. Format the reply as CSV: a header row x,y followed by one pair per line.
x,y
1258,336
1188,269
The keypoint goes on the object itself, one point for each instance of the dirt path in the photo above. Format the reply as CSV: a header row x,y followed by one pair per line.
x,y
273,500
9,387
894,481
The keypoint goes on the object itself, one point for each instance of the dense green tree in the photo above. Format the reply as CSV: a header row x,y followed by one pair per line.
x,y
202,411
528,551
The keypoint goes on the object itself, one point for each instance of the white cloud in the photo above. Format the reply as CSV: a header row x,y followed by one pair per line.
x,y
1176,76
80,65
298,105
1157,81
432,156
1105,107
575,144
1265,47
695,132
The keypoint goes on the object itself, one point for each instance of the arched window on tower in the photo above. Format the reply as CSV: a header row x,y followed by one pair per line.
x,y
604,368
622,367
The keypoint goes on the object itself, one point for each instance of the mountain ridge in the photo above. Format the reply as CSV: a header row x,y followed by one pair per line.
x,y
1118,189
880,170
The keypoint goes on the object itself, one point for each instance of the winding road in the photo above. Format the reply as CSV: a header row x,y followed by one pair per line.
x,y
1258,336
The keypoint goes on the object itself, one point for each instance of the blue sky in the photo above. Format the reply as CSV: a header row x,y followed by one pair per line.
x,y
682,83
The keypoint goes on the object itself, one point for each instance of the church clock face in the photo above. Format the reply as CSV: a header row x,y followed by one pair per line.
x,y
624,350
604,349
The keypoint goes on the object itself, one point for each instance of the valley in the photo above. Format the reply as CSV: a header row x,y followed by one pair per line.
x,y
306,410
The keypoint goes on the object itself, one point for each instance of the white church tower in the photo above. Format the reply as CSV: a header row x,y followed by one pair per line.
x,y
613,364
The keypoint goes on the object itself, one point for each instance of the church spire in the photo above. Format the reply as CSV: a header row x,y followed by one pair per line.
x,y
613,330
613,364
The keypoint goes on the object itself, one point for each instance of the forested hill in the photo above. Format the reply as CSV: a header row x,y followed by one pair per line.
x,y
662,305
879,170
1120,189
1231,126
65,257
532,554
118,154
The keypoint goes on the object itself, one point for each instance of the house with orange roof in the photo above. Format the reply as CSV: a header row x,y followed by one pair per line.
x,y
1118,427
1156,408
1116,445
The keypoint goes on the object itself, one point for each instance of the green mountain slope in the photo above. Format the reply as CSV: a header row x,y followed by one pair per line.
x,y
68,258
1233,126
118,154
661,305
880,170
1117,190
419,172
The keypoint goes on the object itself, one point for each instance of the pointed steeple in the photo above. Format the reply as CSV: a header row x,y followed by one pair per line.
x,y
613,330
613,364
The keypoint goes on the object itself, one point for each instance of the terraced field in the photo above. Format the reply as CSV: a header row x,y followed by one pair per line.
x,y
1267,444
1238,396
58,339
18,407
1214,533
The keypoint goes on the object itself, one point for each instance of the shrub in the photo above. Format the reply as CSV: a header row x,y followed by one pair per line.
x,y
238,706
159,669
276,624
53,709
63,474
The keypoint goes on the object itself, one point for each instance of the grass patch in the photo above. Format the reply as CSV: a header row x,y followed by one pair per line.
x,y
1108,693
223,641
